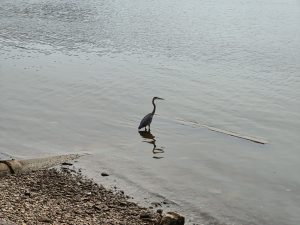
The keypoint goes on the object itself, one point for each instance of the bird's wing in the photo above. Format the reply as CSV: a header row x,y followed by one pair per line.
x,y
146,120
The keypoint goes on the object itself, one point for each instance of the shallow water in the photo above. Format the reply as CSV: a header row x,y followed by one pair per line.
x,y
77,76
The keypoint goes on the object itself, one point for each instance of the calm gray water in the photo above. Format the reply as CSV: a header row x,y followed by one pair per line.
x,y
77,76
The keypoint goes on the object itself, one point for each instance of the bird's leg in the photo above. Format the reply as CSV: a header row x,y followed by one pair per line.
x,y
145,128
149,127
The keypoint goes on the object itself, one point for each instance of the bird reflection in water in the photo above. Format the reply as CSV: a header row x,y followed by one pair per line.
x,y
150,138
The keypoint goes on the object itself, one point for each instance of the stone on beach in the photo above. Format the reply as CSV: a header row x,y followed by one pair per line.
x,y
172,218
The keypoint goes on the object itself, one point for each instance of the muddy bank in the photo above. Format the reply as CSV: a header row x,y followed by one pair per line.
x,y
55,196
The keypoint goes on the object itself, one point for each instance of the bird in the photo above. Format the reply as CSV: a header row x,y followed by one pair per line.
x,y
146,121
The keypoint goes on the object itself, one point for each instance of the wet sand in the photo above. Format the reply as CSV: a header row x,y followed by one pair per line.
x,y
55,196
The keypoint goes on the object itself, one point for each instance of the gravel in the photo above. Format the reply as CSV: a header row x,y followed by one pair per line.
x,y
62,197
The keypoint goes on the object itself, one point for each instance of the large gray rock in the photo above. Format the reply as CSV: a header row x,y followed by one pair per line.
x,y
15,166
9,167
172,218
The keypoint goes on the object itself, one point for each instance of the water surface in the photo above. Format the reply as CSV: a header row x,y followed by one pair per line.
x,y
77,76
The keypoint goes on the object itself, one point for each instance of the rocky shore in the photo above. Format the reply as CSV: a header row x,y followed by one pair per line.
x,y
55,196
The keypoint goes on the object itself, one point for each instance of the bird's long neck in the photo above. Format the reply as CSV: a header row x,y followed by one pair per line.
x,y
154,107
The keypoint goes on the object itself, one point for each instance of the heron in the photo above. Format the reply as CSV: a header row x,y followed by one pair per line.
x,y
146,121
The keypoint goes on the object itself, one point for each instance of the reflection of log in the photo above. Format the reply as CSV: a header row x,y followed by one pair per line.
x,y
17,166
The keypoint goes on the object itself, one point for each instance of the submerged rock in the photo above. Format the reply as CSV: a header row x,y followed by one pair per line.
x,y
156,204
104,174
67,164
159,211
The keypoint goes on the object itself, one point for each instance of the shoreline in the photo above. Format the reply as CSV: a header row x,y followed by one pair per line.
x,y
69,172
60,196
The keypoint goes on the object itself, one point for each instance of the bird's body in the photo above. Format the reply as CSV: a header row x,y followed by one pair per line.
x,y
146,121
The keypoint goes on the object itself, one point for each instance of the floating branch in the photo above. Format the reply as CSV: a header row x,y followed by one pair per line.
x,y
246,137
253,139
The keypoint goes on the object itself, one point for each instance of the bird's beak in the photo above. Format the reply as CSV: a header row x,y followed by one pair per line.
x,y
160,98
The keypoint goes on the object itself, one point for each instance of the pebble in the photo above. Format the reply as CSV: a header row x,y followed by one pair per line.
x,y
45,220
155,204
67,164
104,174
145,215
159,211
172,218
166,202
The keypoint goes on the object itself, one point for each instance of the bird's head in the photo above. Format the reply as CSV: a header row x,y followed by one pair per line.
x,y
157,98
